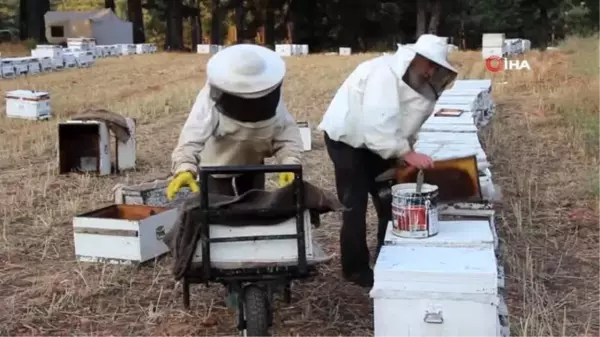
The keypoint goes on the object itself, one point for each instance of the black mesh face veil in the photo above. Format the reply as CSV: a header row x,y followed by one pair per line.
x,y
247,109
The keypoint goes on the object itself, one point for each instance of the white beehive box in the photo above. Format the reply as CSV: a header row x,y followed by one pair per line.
x,y
487,52
439,127
260,251
21,65
114,50
45,63
122,233
140,48
471,139
58,62
69,60
435,291
483,211
33,66
344,51
7,69
453,233
526,45
127,49
439,151
306,135
473,84
28,104
214,48
153,48
84,58
93,151
203,49
304,50
47,51
283,49
81,43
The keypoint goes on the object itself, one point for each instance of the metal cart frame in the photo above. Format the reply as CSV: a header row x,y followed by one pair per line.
x,y
253,288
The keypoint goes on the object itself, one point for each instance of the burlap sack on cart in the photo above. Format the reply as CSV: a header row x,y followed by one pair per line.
x,y
275,207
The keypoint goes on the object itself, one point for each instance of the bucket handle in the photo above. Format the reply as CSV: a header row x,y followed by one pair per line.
x,y
420,179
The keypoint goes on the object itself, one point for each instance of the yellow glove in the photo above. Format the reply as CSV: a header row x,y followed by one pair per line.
x,y
181,180
285,178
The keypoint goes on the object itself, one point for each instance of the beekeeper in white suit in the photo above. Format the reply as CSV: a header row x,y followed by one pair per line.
x,y
239,118
371,126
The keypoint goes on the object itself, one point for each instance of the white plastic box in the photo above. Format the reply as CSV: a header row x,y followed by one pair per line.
x,y
122,233
27,104
260,251
93,151
203,49
81,43
306,135
344,51
435,291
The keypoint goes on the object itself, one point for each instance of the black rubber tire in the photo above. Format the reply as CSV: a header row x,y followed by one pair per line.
x,y
256,315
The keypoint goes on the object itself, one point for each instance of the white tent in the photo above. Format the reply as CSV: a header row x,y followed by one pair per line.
x,y
102,25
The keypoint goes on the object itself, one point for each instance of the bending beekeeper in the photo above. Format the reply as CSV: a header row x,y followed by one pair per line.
x,y
371,126
239,118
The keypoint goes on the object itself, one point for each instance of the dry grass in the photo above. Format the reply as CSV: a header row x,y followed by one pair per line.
x,y
548,218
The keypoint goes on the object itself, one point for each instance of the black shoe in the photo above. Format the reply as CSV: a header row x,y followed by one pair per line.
x,y
362,279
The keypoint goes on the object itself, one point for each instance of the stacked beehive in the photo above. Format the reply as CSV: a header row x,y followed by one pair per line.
x,y
80,52
450,284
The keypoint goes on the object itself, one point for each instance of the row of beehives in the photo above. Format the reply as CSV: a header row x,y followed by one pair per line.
x,y
450,284
496,44
45,58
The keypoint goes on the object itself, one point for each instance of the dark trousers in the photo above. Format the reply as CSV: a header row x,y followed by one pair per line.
x,y
355,171
242,183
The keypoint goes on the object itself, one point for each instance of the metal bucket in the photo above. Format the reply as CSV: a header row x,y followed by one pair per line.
x,y
415,213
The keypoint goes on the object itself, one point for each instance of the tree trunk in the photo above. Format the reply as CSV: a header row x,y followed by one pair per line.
x,y
270,24
196,26
110,4
434,19
23,20
136,16
239,21
421,18
543,28
44,8
215,27
174,32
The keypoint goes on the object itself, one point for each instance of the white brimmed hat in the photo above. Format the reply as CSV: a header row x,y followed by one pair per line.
x,y
246,70
433,48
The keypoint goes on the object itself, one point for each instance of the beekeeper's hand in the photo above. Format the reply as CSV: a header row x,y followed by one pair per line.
x,y
418,160
285,178
180,180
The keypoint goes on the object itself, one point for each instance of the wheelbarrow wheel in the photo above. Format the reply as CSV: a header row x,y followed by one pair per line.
x,y
256,311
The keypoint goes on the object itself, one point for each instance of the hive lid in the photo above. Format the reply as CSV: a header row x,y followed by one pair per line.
x,y
455,233
26,94
435,270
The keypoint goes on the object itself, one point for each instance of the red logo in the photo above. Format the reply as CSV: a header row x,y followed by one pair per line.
x,y
494,64
411,219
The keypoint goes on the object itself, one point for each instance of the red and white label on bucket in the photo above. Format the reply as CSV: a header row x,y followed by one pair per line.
x,y
415,221
412,221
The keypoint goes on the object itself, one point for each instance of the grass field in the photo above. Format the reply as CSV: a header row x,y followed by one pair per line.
x,y
543,144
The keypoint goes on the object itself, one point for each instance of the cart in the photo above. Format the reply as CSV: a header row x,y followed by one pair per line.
x,y
251,288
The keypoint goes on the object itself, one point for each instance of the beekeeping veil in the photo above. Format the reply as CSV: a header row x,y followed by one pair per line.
x,y
433,48
245,82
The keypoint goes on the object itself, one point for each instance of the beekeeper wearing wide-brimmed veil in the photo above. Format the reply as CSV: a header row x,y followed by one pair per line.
x,y
371,126
239,118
